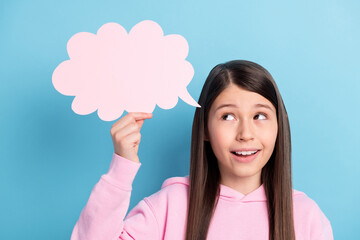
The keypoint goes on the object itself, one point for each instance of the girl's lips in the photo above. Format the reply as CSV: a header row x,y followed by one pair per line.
x,y
245,159
245,149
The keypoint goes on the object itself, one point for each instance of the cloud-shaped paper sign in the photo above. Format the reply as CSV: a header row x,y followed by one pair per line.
x,y
113,71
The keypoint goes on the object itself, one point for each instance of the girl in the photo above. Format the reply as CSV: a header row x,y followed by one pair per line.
x,y
240,183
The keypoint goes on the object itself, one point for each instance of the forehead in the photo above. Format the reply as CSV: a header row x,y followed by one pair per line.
x,y
240,97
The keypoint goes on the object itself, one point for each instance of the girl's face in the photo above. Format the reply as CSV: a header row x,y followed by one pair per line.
x,y
240,119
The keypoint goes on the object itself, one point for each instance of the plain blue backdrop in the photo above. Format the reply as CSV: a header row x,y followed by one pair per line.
x,y
51,158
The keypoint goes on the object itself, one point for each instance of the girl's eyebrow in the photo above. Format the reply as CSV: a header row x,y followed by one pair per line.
x,y
258,105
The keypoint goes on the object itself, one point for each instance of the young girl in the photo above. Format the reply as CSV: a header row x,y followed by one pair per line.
x,y
240,183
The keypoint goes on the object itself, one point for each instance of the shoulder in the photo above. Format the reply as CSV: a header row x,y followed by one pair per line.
x,y
309,217
169,204
173,189
164,209
304,203
176,182
302,200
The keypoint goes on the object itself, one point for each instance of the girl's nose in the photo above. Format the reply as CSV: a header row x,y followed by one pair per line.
x,y
245,132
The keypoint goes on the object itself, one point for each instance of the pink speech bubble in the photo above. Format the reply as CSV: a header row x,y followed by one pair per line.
x,y
113,71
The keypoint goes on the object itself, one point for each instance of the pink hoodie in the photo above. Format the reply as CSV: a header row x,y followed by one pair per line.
x,y
163,214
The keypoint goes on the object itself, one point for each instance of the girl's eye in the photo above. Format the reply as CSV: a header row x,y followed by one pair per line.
x,y
224,117
227,115
263,114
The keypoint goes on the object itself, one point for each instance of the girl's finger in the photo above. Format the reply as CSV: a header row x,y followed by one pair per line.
x,y
130,117
134,138
140,123
141,115
126,130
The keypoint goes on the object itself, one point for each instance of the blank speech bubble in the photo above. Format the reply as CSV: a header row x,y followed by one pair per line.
x,y
113,70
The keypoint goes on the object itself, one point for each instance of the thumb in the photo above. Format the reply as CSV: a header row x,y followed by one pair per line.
x,y
140,123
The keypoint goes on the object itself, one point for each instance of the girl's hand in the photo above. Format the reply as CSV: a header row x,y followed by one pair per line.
x,y
126,135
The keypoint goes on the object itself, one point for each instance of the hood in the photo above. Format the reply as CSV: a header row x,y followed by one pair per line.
x,y
227,193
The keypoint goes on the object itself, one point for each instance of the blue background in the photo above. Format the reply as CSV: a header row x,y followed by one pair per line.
x,y
51,158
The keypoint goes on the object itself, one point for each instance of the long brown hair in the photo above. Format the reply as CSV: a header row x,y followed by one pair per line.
x,y
204,172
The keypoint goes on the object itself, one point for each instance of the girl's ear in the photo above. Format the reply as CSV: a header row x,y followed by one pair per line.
x,y
206,138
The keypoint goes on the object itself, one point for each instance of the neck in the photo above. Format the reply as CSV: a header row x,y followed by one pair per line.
x,y
244,185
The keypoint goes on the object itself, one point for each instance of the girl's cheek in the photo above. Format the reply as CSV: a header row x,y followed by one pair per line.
x,y
269,133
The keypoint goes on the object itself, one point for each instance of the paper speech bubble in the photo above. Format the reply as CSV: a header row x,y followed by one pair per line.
x,y
113,71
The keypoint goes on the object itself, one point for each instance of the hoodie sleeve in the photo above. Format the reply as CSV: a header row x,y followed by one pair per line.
x,y
103,216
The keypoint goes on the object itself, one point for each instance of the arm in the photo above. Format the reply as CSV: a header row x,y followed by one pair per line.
x,y
102,217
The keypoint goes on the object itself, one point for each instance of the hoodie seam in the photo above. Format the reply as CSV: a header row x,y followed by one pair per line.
x,y
147,201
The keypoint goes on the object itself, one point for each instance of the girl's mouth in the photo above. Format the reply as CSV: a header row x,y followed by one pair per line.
x,y
245,157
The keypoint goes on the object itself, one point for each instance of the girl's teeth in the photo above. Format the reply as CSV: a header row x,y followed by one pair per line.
x,y
246,153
